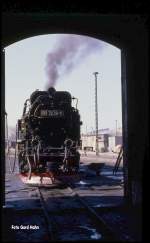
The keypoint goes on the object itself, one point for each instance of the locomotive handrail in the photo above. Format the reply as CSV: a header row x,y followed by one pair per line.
x,y
28,160
34,105
67,141
37,109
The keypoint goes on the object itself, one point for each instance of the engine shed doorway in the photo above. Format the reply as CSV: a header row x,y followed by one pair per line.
x,y
127,33
90,163
130,35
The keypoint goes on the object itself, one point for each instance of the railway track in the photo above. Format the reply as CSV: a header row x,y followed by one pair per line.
x,y
86,223
48,219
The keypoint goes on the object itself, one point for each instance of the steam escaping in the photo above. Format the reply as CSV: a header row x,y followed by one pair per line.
x,y
69,52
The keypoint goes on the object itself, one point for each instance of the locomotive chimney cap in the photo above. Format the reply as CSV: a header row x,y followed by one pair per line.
x,y
51,90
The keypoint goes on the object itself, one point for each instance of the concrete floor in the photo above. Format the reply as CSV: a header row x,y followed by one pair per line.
x,y
101,192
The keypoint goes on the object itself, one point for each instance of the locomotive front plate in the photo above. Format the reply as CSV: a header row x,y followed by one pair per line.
x,y
52,113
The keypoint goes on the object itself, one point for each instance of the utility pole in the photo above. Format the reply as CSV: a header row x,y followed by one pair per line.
x,y
86,130
96,113
116,127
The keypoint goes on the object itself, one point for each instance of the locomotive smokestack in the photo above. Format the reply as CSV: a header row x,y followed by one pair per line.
x,y
51,91
69,52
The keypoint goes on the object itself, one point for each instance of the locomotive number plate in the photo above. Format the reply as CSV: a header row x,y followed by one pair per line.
x,y
52,113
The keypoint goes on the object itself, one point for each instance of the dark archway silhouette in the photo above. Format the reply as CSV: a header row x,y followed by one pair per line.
x,y
128,33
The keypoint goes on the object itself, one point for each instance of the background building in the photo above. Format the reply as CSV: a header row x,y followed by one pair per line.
x,y
107,140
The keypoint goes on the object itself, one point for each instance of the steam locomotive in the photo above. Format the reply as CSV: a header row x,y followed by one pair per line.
x,y
48,134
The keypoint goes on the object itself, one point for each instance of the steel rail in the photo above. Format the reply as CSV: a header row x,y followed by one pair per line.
x,y
47,216
108,233
101,224
103,227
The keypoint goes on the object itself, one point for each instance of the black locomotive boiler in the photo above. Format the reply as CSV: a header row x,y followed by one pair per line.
x,y
48,134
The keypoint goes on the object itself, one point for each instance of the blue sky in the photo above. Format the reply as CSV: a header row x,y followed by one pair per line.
x,y
25,72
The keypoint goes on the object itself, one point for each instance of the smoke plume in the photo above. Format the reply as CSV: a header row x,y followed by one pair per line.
x,y
69,52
